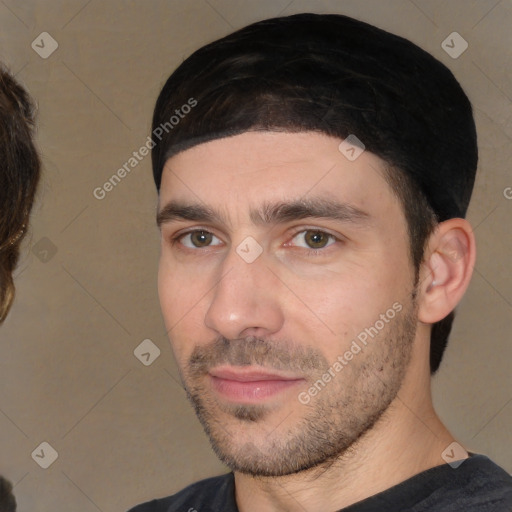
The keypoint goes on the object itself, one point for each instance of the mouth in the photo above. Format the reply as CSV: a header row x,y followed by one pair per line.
x,y
250,385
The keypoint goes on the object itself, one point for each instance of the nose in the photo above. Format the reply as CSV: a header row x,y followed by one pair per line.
x,y
245,301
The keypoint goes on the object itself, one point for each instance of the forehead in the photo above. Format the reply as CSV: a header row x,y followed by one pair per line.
x,y
254,168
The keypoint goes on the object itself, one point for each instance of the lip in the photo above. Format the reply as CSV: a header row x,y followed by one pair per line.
x,y
249,384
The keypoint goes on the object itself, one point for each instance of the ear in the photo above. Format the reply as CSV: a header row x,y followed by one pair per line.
x,y
446,269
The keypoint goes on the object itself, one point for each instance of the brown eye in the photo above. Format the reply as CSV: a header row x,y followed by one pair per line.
x,y
199,239
313,239
316,239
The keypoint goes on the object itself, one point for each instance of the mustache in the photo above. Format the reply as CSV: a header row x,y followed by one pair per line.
x,y
275,355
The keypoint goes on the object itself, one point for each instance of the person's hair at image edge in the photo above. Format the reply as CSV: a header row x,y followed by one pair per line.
x,y
7,500
338,76
20,170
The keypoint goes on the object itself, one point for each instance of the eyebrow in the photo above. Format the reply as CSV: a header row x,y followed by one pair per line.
x,y
268,213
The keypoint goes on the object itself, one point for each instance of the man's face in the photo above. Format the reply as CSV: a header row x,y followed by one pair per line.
x,y
287,291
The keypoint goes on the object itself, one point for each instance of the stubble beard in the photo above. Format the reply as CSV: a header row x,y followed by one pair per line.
x,y
350,405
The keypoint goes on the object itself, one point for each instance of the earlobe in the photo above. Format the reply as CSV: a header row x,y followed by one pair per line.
x,y
447,269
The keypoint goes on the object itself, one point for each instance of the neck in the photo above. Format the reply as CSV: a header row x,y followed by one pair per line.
x,y
408,438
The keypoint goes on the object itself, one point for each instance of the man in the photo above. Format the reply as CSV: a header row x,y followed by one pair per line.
x,y
20,171
311,205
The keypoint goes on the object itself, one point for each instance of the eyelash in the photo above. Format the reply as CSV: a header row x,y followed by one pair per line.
x,y
309,252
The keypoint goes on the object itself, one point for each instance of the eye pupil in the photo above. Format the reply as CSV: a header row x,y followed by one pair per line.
x,y
316,239
201,238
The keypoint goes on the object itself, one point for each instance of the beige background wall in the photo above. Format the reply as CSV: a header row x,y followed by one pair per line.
x,y
86,299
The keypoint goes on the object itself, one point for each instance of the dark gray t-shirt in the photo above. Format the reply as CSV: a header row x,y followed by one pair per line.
x,y
477,485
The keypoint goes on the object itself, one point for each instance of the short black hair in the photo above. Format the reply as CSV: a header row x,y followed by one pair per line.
x,y
339,76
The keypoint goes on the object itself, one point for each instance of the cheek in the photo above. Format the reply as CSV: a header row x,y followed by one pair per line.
x,y
341,306
178,289
180,302
167,292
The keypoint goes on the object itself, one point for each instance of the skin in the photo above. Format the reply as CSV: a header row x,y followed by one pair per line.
x,y
295,311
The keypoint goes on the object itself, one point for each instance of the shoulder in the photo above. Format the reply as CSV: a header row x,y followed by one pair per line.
x,y
211,494
489,485
477,485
